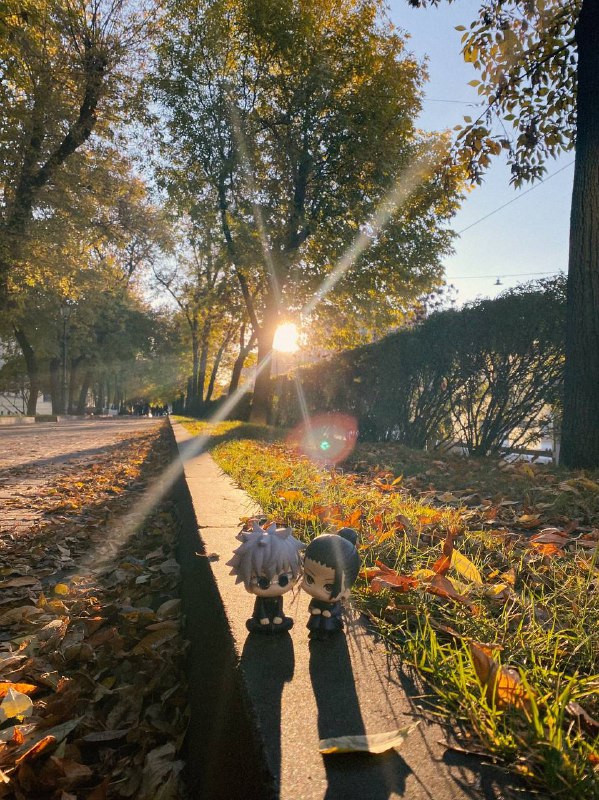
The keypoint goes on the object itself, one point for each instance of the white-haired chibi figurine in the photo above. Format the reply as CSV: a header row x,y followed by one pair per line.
x,y
268,564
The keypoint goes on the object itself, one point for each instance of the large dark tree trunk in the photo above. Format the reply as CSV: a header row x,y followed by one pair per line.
x,y
262,392
32,370
100,403
580,432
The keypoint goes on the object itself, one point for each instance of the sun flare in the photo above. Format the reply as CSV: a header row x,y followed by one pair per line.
x,y
286,338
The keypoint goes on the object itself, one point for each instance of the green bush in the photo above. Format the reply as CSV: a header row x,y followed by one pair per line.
x,y
479,375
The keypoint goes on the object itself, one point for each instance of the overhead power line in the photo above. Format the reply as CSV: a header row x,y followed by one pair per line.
x,y
459,102
505,275
513,200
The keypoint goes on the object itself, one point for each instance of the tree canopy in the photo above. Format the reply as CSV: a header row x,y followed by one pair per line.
x,y
61,81
295,122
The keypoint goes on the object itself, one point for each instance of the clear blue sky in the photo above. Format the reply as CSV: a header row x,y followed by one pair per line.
x,y
530,235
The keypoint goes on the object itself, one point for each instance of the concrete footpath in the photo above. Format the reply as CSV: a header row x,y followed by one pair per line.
x,y
295,692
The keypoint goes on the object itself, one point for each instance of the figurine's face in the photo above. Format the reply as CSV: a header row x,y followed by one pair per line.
x,y
318,581
262,586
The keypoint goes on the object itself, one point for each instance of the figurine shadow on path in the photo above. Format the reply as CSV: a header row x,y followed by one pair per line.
x,y
370,777
268,663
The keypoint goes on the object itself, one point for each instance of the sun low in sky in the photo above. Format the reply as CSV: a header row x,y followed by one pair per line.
x,y
286,338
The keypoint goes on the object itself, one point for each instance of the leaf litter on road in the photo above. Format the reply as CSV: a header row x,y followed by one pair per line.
x,y
91,657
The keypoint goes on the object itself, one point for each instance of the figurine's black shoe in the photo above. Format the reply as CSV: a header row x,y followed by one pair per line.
x,y
254,626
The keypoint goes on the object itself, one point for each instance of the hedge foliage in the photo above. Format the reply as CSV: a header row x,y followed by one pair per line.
x,y
479,375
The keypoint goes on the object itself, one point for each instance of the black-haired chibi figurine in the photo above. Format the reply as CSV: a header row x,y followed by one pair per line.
x,y
268,563
331,565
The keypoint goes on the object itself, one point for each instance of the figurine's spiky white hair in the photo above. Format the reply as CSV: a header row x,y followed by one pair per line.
x,y
265,552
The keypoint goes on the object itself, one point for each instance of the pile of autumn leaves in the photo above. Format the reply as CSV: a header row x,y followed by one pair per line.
x,y
93,702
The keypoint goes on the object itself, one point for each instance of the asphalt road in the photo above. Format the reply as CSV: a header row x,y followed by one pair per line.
x,y
32,456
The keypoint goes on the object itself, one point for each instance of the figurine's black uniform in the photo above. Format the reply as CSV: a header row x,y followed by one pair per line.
x,y
268,608
320,626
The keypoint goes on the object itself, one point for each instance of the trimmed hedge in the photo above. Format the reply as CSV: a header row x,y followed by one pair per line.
x,y
480,375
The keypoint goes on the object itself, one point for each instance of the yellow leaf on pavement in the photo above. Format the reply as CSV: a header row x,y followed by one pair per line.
x,y
374,743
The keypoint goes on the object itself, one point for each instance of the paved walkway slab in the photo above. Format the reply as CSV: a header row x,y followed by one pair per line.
x,y
300,692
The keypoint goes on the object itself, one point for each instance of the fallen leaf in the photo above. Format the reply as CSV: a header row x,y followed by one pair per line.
x,y
465,567
547,549
442,564
159,769
373,743
168,609
20,614
101,737
401,583
585,720
528,521
291,495
503,685
35,749
24,688
16,583
15,705
154,639
367,574
550,536
388,578
423,574
443,587
498,590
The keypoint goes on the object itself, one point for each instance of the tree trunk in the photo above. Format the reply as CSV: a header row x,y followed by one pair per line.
x,y
262,392
215,366
82,401
100,399
244,351
32,370
195,350
73,382
55,385
205,344
580,431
